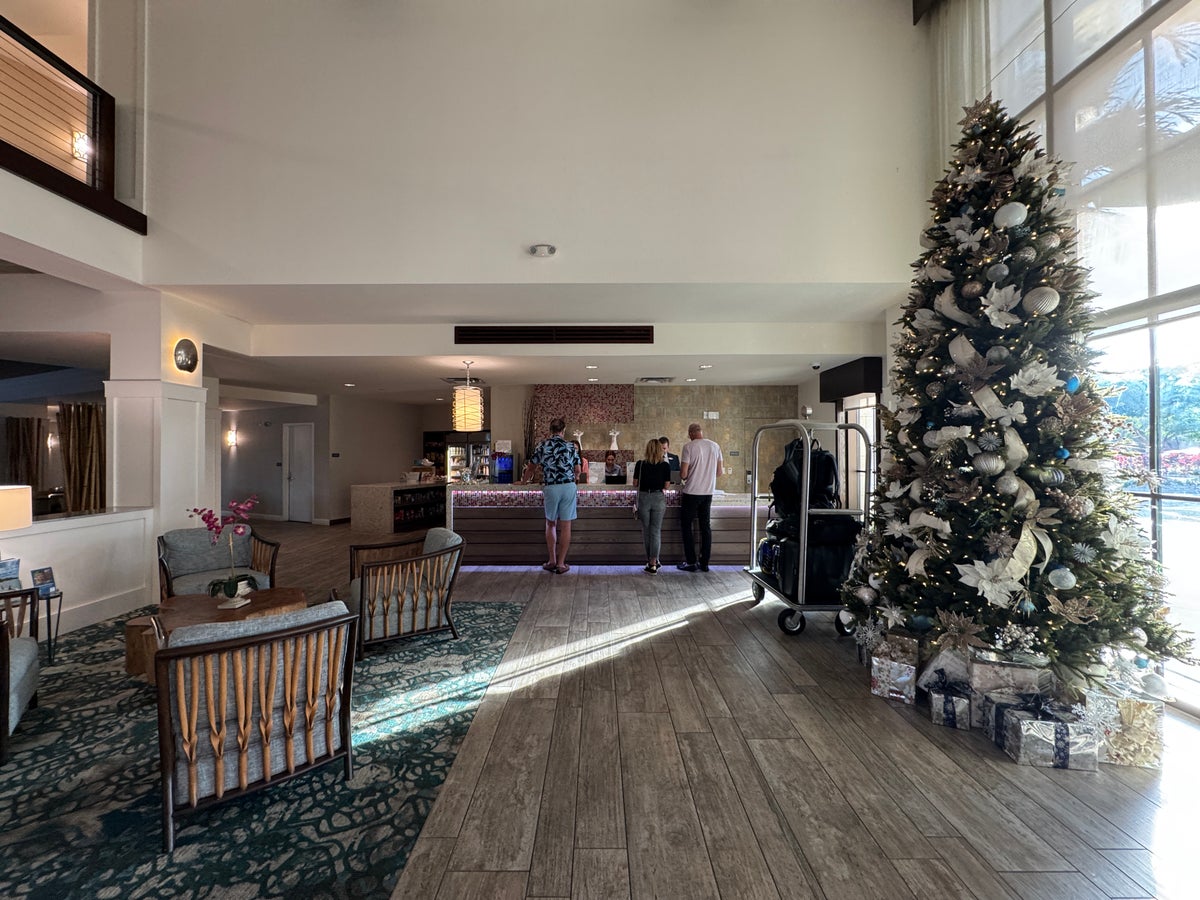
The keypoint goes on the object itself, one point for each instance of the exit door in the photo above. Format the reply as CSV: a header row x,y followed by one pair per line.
x,y
298,472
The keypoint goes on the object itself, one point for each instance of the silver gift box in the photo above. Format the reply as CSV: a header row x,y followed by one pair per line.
x,y
1129,726
992,672
894,680
950,709
1058,742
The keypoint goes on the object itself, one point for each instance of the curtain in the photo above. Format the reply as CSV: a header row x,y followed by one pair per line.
x,y
81,437
961,71
24,438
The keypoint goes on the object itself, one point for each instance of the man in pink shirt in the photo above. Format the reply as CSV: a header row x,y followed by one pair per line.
x,y
699,463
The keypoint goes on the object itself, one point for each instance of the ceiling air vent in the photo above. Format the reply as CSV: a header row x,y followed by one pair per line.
x,y
554,334
655,379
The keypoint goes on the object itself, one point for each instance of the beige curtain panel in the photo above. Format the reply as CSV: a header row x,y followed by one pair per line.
x,y
81,437
24,438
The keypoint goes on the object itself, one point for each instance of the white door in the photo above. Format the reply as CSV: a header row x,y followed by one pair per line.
x,y
298,472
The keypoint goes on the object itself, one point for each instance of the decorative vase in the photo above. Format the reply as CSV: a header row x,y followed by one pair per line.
x,y
228,587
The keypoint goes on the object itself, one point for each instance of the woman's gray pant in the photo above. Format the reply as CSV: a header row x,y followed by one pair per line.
x,y
651,506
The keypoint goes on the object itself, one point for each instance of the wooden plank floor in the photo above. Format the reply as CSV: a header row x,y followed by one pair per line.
x,y
659,737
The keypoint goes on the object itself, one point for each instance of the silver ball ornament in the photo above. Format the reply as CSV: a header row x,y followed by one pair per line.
x,y
997,353
1025,255
875,581
1008,483
1138,636
1156,686
1048,241
996,272
1087,506
1063,579
1040,301
934,389
1010,215
988,463
972,289
867,595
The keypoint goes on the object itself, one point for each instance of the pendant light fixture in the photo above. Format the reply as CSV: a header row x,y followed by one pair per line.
x,y
467,407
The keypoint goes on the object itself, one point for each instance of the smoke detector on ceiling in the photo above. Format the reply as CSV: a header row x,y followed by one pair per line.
x,y
656,379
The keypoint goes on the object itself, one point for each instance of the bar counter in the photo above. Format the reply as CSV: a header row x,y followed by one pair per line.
x,y
504,524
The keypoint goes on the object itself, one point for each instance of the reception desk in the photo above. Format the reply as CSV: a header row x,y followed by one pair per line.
x,y
505,524
397,506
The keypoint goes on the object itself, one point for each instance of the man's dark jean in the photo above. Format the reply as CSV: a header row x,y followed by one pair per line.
x,y
691,508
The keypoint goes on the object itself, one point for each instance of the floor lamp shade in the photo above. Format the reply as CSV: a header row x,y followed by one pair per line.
x,y
16,506
467,410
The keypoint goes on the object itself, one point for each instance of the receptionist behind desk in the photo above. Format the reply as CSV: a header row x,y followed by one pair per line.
x,y
613,473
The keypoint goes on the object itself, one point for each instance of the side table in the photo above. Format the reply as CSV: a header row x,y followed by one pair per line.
x,y
52,632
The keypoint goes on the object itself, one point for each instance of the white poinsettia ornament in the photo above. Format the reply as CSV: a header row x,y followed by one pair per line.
x,y
1036,379
991,580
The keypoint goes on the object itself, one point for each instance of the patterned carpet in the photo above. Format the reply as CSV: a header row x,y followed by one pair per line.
x,y
80,800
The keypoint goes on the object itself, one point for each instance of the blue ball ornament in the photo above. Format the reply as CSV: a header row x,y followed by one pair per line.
x,y
931,424
1072,384
1062,453
1142,662
1027,606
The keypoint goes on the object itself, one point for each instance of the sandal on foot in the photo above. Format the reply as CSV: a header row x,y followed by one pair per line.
x,y
561,570
549,567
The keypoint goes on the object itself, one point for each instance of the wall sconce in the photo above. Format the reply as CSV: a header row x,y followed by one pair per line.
x,y
231,437
51,442
186,356
81,145
467,406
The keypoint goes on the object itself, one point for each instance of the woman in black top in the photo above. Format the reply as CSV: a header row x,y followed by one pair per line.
x,y
651,474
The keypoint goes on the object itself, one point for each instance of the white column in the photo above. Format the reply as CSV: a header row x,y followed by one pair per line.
x,y
156,441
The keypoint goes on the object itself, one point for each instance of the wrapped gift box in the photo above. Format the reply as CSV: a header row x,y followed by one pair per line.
x,y
1050,738
894,680
991,709
950,707
1129,728
993,672
899,647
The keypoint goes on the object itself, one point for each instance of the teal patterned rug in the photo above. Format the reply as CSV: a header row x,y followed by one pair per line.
x,y
80,801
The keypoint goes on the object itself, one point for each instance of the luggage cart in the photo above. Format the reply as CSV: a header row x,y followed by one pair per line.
x,y
791,619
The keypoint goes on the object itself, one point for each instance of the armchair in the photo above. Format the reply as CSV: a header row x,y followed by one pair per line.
x,y
402,588
244,705
18,660
188,560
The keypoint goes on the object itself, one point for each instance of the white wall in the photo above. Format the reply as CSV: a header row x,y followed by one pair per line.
x,y
255,466
740,141
375,442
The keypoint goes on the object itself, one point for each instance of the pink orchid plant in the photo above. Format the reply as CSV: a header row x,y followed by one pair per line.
x,y
239,513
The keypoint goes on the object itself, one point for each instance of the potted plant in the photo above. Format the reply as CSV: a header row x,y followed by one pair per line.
x,y
234,520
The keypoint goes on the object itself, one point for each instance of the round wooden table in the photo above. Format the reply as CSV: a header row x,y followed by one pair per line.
x,y
141,636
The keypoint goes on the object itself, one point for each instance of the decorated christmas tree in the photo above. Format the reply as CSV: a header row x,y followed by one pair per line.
x,y
999,520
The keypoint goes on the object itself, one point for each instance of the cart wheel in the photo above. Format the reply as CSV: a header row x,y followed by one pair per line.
x,y
757,591
842,627
791,621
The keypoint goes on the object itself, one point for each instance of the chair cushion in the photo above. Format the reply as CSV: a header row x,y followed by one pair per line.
x,y
225,631
22,677
440,539
277,761
197,582
188,550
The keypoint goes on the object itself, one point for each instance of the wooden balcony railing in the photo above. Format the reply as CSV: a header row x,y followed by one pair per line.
x,y
57,128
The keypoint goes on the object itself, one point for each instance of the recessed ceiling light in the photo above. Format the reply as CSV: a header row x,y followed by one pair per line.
x,y
348,384
704,366
591,367
593,379
689,379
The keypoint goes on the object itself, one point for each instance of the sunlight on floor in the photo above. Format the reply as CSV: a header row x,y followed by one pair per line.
x,y
1174,839
531,668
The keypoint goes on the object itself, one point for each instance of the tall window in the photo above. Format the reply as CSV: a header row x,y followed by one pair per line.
x,y
1115,87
